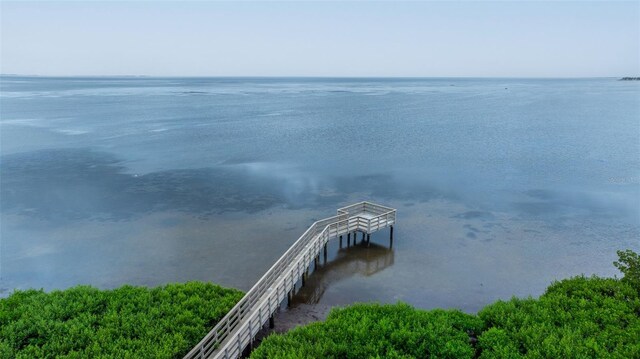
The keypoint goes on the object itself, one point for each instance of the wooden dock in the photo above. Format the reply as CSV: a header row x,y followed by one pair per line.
x,y
236,331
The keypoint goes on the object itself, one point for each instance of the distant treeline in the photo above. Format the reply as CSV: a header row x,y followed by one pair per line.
x,y
630,79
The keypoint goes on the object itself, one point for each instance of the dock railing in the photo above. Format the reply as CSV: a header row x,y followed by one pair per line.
x,y
239,326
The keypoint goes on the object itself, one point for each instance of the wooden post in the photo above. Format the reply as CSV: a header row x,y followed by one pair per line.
x,y
289,298
368,240
304,278
390,236
340,242
363,234
271,322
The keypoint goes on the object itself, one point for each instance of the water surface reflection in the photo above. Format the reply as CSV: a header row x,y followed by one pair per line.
x,y
359,259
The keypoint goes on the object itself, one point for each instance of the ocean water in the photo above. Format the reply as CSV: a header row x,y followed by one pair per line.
x,y
502,185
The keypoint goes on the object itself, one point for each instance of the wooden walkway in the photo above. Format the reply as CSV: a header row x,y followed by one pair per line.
x,y
238,328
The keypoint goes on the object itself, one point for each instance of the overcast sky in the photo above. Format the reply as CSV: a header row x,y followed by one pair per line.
x,y
513,39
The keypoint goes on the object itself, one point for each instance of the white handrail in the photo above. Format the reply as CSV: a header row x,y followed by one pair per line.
x,y
283,274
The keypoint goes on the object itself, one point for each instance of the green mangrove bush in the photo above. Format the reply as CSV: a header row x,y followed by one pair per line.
x,y
575,318
377,331
629,264
128,322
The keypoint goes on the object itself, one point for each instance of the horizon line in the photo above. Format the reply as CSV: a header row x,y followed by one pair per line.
x,y
313,76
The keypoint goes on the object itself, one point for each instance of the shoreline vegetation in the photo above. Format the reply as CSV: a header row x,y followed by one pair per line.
x,y
127,322
580,317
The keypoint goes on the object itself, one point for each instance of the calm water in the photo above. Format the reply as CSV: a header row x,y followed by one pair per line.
x,y
501,185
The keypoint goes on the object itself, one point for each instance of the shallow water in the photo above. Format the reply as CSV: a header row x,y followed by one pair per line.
x,y
501,185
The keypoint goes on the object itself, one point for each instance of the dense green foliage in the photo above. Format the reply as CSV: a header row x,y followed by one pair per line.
x,y
575,318
378,331
629,264
84,322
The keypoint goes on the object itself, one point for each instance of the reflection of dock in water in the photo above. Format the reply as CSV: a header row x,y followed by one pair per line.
x,y
349,261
